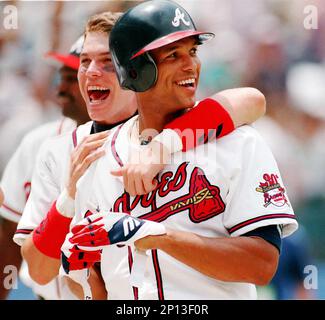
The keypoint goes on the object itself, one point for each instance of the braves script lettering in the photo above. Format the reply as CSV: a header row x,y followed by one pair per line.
x,y
203,199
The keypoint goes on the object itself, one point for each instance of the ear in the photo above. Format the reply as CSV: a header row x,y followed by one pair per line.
x,y
141,73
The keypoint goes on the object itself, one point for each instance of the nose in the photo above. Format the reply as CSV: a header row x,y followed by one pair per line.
x,y
62,86
190,63
93,70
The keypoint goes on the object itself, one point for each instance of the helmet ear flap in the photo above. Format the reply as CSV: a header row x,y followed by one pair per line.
x,y
140,74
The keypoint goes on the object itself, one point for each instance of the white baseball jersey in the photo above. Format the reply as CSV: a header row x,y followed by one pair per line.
x,y
48,180
225,188
16,183
16,180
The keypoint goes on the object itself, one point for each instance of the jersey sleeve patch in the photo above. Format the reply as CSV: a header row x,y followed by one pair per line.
x,y
272,191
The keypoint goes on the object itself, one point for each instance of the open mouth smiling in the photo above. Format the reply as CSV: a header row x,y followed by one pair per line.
x,y
187,83
97,94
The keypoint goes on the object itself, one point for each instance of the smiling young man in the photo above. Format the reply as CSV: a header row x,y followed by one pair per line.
x,y
98,83
208,230
64,160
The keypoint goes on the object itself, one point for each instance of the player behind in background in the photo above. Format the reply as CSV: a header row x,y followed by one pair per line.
x,y
107,105
213,226
16,180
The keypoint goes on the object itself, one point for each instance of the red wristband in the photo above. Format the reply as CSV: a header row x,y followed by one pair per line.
x,y
49,236
205,122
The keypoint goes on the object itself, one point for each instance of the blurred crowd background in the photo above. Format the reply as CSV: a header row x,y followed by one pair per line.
x,y
276,46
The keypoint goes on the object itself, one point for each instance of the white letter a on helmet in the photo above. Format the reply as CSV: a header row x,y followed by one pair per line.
x,y
179,16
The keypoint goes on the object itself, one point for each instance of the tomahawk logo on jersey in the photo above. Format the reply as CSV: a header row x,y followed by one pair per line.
x,y
203,200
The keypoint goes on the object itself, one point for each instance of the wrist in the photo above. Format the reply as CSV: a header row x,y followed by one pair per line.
x,y
49,236
170,140
152,242
71,191
65,204
161,150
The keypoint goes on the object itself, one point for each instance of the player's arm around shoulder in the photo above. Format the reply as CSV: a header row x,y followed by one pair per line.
x,y
244,105
228,109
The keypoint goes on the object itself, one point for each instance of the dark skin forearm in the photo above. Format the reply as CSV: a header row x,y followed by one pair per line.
x,y
237,259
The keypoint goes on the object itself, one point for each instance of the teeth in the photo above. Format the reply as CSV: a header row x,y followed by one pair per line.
x,y
184,82
97,88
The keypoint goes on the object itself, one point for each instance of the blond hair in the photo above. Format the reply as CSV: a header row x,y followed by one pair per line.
x,y
102,22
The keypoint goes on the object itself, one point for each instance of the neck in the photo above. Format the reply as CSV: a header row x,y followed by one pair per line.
x,y
127,110
153,119
147,122
155,112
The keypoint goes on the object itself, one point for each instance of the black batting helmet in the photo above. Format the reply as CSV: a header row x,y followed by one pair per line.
x,y
147,26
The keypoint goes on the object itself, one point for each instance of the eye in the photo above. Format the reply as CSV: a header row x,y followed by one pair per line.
x,y
194,51
106,60
70,79
84,61
172,55
108,64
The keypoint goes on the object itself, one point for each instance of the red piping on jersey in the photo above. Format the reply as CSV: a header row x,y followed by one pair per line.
x,y
257,219
27,188
120,163
158,274
60,127
154,252
11,210
24,231
74,138
113,147
130,260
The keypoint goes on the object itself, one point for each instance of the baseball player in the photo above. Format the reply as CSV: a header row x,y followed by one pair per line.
x,y
56,174
213,226
16,180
